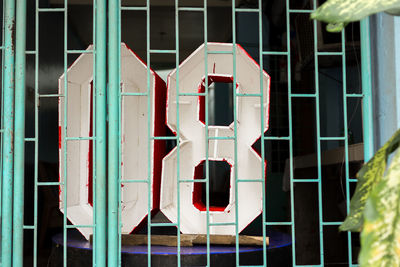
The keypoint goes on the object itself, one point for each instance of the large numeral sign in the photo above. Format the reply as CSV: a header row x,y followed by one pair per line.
x,y
134,118
193,143
192,146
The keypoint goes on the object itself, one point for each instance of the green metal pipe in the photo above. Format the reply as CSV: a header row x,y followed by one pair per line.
x,y
100,83
19,138
113,130
8,135
366,74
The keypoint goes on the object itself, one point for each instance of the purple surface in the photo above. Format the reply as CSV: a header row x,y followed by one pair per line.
x,y
277,240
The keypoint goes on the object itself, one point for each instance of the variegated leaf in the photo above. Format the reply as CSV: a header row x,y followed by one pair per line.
x,y
368,177
337,13
380,237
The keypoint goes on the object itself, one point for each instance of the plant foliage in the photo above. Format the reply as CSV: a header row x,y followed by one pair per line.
x,y
375,208
338,13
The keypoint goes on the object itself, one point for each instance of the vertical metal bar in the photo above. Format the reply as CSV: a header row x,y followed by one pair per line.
x,y
120,143
346,140
290,115
2,99
19,155
261,63
94,165
178,135
36,168
113,130
149,116
65,128
235,149
8,143
368,123
205,20
318,127
100,85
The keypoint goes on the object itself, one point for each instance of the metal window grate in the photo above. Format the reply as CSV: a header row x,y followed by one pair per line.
x,y
277,145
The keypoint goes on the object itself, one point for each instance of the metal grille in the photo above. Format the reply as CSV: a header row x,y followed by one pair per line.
x,y
277,145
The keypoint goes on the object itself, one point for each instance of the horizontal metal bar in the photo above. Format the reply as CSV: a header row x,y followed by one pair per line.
x,y
193,181
79,51
163,224
57,9
332,138
164,137
32,52
330,53
80,138
194,9
1,130
30,139
50,183
275,53
221,138
74,226
162,51
51,95
192,94
300,11
250,181
29,227
303,95
276,137
131,181
331,223
134,8
306,180
353,180
247,10
133,94
354,95
278,223
220,52
253,95
222,224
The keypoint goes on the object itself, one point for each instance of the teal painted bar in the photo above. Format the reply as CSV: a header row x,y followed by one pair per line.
x,y
366,74
149,51
248,10
114,48
36,144
291,163
52,9
235,126
65,129
133,8
100,157
19,135
207,137
8,136
346,145
159,51
191,9
318,133
178,130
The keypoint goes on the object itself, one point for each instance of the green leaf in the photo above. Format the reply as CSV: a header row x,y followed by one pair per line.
x,y
341,12
368,177
380,237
